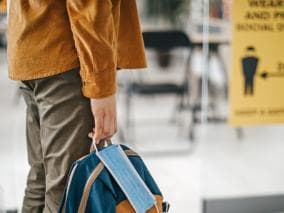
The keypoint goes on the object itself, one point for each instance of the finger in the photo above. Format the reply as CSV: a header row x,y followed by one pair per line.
x,y
97,136
107,126
99,123
112,126
91,135
115,125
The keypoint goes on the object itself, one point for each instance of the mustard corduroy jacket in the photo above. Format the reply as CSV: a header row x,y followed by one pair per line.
x,y
48,37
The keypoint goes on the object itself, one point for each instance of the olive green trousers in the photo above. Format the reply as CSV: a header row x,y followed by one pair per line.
x,y
58,121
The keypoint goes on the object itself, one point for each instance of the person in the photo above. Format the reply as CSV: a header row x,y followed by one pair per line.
x,y
65,55
249,66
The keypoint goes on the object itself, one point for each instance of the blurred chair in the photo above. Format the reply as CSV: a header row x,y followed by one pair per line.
x,y
162,41
217,80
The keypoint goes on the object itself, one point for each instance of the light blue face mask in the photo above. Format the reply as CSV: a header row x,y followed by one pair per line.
x,y
120,167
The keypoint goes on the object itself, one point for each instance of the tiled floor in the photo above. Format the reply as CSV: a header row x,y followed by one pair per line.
x,y
219,166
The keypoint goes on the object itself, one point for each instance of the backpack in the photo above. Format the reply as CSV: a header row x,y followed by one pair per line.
x,y
91,188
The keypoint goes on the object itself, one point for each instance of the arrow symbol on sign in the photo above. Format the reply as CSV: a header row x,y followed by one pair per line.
x,y
266,74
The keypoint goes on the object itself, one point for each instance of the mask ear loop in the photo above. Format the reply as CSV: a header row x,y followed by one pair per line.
x,y
93,148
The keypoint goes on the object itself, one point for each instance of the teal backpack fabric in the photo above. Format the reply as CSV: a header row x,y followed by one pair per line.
x,y
91,188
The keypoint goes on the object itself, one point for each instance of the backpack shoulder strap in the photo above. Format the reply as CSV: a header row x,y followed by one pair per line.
x,y
130,152
88,186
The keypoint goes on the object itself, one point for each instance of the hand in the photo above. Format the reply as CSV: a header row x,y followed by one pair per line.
x,y
104,112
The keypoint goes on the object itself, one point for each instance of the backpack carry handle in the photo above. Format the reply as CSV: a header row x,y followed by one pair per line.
x,y
103,143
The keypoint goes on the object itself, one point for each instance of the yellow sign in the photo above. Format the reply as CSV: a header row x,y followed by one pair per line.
x,y
257,79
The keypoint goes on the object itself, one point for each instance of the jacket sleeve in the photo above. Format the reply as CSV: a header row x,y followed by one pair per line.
x,y
93,30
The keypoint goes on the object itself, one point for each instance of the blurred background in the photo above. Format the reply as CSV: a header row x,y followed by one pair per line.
x,y
175,114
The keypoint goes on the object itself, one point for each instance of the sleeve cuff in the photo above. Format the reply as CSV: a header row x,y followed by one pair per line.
x,y
101,85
